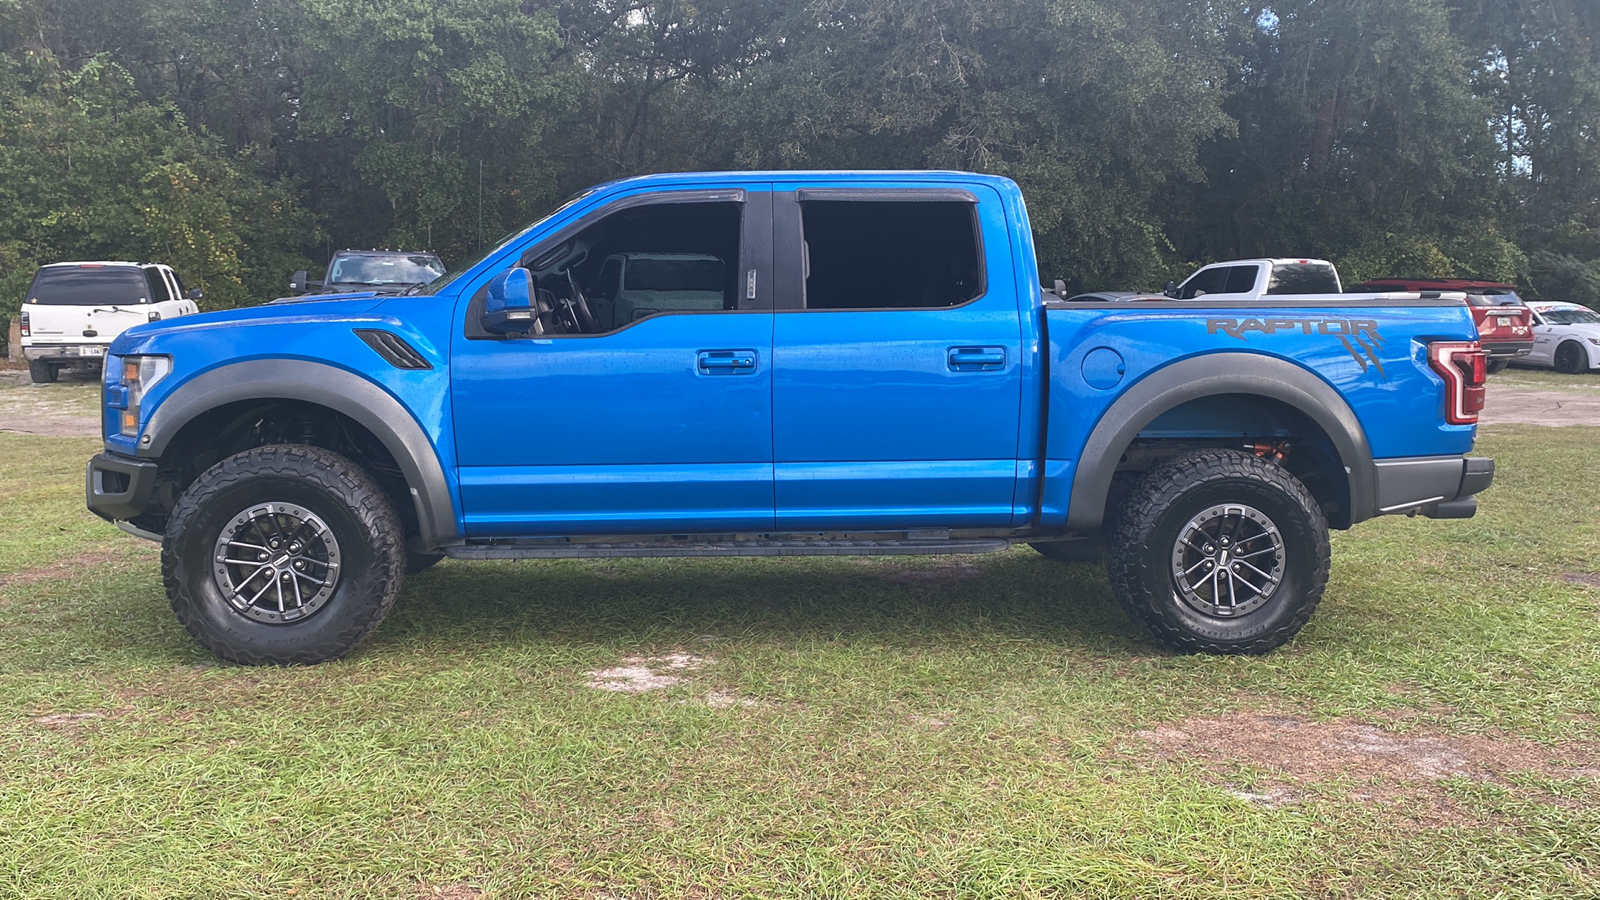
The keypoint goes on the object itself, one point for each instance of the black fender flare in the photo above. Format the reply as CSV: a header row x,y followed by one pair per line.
x,y
337,389
1206,376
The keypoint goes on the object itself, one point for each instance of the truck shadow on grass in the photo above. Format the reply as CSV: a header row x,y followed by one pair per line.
x,y
661,602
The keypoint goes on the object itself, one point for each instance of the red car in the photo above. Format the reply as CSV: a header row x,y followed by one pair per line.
x,y
1505,325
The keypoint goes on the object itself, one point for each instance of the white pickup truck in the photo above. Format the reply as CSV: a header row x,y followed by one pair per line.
x,y
1253,279
73,310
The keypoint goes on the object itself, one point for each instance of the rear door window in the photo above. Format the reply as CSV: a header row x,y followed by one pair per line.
x,y
88,286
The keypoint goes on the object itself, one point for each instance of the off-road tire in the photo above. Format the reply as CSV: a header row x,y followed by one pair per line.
x,y
356,512
1144,550
1570,359
1078,550
42,372
1496,366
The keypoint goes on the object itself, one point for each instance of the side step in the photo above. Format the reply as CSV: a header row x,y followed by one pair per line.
x,y
586,550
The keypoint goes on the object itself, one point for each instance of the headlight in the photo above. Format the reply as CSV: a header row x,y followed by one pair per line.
x,y
1595,341
139,374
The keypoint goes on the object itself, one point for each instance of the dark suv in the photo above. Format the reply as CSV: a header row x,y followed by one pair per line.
x,y
1505,325
375,271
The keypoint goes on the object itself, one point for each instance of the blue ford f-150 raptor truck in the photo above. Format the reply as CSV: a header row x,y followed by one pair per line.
x,y
837,363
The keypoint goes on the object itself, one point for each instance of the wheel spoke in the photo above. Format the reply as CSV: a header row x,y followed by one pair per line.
x,y
287,591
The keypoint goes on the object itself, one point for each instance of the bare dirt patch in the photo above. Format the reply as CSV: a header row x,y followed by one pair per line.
x,y
69,721
1584,578
67,409
1504,405
70,568
638,674
1297,754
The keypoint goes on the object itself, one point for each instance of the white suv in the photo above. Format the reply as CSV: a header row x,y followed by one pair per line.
x,y
73,310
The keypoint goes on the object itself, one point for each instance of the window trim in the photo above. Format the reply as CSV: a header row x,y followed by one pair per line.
x,y
757,253
880,195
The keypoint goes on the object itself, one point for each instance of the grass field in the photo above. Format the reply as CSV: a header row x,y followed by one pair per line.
x,y
961,727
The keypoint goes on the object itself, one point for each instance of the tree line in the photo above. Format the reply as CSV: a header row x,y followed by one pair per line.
x,y
239,140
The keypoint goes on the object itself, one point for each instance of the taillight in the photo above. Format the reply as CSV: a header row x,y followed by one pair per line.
x,y
27,330
1464,366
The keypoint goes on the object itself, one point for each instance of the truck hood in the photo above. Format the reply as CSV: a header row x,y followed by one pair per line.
x,y
321,310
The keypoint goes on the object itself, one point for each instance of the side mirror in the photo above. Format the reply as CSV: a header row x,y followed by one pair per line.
x,y
509,306
297,281
194,294
1171,290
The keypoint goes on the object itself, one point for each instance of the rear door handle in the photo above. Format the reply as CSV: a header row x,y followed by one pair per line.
x,y
977,359
726,362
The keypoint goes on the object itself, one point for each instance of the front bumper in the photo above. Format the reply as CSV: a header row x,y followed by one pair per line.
x,y
119,487
1439,487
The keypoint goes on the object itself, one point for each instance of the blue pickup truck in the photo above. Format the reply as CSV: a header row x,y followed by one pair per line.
x,y
801,364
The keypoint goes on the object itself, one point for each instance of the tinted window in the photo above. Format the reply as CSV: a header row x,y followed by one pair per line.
x,y
1492,297
870,254
1303,278
1208,281
685,273
1241,280
89,285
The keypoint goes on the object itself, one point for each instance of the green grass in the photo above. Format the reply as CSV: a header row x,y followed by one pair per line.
x,y
1544,378
947,727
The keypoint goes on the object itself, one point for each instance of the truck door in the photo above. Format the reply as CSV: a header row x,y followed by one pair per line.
x,y
897,375
659,422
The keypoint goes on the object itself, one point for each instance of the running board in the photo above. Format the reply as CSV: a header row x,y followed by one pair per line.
x,y
586,550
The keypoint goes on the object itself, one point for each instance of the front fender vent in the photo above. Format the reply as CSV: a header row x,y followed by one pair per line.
x,y
393,348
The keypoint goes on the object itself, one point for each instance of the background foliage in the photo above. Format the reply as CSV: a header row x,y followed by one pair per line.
x,y
242,139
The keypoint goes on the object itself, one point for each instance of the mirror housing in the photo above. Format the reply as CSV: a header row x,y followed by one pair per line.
x,y
1171,290
194,294
508,308
297,281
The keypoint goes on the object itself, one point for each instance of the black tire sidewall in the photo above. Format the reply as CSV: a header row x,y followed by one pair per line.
x,y
1299,551
332,630
1570,359
1141,556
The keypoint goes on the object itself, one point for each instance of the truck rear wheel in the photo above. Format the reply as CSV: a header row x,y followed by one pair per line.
x,y
41,371
1219,551
282,555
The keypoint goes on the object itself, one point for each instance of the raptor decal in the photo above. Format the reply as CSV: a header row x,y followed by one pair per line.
x,y
1360,337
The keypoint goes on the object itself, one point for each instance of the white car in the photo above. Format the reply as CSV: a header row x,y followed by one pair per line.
x,y
1566,336
73,310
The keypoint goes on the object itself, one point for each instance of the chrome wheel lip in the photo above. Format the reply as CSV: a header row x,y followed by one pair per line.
x,y
1227,560
276,562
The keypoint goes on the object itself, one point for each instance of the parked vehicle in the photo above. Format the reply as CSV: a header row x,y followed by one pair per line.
x,y
73,310
372,272
1566,337
1252,279
1114,297
1505,326
870,367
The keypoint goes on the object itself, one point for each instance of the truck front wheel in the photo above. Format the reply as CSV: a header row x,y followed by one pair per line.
x,y
1219,551
282,555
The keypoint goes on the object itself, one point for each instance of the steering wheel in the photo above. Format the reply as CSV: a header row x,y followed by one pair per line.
x,y
578,304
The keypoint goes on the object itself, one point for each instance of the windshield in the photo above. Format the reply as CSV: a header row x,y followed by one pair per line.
x,y
440,284
1571,315
89,285
380,270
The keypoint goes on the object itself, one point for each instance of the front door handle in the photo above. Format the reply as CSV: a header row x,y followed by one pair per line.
x,y
977,359
726,362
